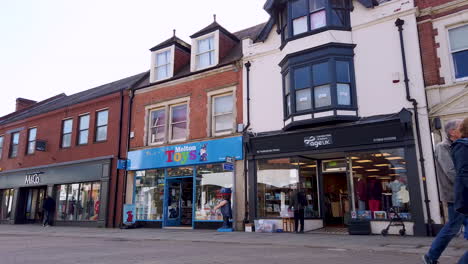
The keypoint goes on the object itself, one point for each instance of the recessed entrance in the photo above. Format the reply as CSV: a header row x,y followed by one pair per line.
x,y
336,199
179,200
30,206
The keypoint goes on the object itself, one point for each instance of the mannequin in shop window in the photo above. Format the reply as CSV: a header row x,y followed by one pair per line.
x,y
374,194
361,192
399,193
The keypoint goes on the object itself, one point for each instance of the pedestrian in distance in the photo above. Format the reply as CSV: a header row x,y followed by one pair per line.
x,y
297,203
446,173
225,206
460,160
49,208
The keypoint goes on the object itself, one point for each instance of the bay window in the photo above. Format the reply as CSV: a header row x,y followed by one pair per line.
x,y
319,80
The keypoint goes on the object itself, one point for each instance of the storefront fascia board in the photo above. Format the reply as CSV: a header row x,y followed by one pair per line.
x,y
350,137
89,170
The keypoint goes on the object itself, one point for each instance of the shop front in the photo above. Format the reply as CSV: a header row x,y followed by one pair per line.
x,y
179,186
79,190
365,170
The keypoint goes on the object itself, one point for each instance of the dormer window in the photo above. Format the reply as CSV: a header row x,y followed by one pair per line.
x,y
163,65
205,56
300,18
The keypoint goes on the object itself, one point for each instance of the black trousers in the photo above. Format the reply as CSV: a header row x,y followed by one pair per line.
x,y
47,217
226,223
299,216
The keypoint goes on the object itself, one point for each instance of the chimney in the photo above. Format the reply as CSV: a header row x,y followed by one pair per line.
x,y
22,103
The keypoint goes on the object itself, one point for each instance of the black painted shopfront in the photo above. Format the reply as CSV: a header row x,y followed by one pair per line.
x,y
80,191
357,170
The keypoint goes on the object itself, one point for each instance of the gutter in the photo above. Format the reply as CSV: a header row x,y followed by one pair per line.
x,y
399,24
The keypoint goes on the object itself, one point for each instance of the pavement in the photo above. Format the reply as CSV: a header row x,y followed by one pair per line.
x,y
36,244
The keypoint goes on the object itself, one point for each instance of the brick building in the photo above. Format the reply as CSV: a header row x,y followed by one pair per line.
x,y
65,147
185,121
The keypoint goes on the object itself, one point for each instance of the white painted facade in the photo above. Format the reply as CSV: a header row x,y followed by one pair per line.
x,y
377,63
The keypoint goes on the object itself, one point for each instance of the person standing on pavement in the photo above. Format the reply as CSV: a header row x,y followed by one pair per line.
x,y
49,208
460,160
446,173
298,202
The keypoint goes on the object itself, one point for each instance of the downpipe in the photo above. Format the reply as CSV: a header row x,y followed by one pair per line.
x,y
244,134
399,24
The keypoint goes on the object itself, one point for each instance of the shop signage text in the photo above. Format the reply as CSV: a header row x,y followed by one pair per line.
x,y
33,178
318,141
187,154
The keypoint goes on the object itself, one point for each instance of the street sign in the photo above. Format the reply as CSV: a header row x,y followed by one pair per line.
x,y
122,164
228,166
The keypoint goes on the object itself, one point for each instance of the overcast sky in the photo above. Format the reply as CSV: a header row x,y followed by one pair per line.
x,y
50,47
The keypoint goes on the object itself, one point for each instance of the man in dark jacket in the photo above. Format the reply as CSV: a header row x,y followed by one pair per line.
x,y
447,175
460,160
298,202
49,208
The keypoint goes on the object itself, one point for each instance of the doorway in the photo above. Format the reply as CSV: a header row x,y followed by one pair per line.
x,y
31,201
335,193
179,202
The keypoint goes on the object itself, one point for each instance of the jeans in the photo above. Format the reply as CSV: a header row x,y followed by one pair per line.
x,y
463,259
299,216
449,231
46,220
226,222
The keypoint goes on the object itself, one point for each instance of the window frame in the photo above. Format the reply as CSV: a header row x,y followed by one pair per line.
x,y
312,57
209,51
29,142
97,126
150,126
79,129
194,53
62,133
451,52
10,154
170,124
212,115
287,31
168,65
2,144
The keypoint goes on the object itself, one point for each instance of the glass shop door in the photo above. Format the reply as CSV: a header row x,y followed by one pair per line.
x,y
34,200
173,202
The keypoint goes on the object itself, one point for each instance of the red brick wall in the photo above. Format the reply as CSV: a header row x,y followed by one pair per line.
x,y
49,127
197,91
181,59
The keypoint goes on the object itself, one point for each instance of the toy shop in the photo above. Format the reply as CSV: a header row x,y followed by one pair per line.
x,y
365,170
180,186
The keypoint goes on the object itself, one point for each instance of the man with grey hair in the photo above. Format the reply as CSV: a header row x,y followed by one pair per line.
x,y
446,175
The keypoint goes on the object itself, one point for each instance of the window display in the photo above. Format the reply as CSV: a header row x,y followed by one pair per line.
x,y
210,179
380,184
276,181
6,201
78,201
149,194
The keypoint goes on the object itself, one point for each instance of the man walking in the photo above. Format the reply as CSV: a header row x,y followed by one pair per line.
x,y
446,174
49,208
298,202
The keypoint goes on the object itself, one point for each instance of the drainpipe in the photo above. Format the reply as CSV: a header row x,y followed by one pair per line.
x,y
399,23
244,132
119,156
129,129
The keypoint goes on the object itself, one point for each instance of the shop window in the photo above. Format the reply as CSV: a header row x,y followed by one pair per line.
x,y
31,148
15,137
83,133
222,114
1,146
178,124
314,85
459,49
6,202
163,65
313,16
205,56
210,179
78,201
67,126
149,195
279,179
102,120
380,183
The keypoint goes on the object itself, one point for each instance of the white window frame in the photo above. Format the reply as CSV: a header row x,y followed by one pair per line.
x,y
29,141
194,54
167,106
154,64
450,52
210,118
150,125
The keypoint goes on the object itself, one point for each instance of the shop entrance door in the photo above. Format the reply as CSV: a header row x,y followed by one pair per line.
x,y
33,198
336,194
179,202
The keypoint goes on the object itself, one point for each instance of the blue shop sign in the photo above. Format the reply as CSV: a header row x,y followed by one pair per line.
x,y
186,154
